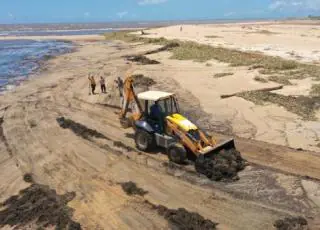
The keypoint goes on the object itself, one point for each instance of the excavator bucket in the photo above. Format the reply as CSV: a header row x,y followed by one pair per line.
x,y
212,150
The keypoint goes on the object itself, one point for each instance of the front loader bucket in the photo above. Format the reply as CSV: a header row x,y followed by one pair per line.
x,y
219,162
225,145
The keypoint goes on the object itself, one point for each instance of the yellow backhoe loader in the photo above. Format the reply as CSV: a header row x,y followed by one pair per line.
x,y
168,128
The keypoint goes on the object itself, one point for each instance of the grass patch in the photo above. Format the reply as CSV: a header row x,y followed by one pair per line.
x,y
219,75
283,80
302,105
315,90
126,36
187,50
260,79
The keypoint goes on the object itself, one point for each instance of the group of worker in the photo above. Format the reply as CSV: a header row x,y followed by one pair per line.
x,y
92,84
155,111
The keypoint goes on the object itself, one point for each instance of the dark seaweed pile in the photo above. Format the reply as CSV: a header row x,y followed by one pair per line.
x,y
39,204
224,165
130,188
291,223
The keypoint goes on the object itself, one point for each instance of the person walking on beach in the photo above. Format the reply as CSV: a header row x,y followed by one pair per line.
x,y
103,85
92,84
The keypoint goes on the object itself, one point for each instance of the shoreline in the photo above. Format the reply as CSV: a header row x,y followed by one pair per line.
x,y
39,67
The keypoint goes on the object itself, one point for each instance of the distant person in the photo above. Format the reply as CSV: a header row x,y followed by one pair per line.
x,y
180,28
92,84
102,85
120,84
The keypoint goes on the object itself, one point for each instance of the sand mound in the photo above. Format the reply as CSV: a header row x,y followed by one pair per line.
x,y
293,223
223,166
142,81
41,205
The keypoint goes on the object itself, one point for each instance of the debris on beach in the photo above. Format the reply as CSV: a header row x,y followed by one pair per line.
x,y
142,81
291,223
40,205
183,219
223,166
143,60
28,178
79,129
130,188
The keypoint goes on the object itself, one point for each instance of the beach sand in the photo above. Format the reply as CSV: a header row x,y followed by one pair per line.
x,y
269,123
94,154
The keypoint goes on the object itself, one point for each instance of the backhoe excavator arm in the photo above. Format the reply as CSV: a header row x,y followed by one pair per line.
x,y
129,96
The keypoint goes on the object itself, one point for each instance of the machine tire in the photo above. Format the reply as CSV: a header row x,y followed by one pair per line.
x,y
144,141
177,153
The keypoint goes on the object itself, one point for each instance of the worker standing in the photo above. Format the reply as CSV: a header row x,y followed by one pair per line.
x,y
103,85
119,83
92,84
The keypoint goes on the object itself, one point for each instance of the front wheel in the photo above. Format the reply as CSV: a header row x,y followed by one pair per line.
x,y
144,140
177,153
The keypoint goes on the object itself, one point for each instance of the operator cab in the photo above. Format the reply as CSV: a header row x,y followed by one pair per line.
x,y
158,105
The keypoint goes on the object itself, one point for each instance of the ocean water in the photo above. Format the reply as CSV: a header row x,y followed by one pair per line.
x,y
20,58
54,32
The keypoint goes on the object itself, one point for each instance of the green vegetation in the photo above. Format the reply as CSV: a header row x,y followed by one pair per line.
x,y
260,79
219,75
282,70
283,80
314,17
126,36
315,90
302,105
202,53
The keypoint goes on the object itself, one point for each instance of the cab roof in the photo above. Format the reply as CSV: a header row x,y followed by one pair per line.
x,y
154,95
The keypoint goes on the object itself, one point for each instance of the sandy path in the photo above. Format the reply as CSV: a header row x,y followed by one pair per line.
x,y
32,141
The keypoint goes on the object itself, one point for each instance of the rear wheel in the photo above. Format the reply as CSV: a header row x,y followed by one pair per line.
x,y
144,140
177,153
